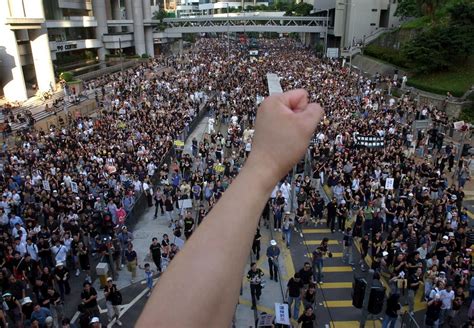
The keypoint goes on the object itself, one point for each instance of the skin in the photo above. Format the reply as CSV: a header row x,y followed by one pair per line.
x,y
217,252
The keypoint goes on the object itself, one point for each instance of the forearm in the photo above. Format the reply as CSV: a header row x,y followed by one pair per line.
x,y
216,266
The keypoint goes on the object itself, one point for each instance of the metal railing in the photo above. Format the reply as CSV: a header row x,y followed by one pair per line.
x,y
408,321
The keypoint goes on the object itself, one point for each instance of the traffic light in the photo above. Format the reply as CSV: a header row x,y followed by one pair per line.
x,y
358,292
377,297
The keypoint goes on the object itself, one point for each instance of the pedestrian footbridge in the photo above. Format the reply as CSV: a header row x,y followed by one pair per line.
x,y
280,24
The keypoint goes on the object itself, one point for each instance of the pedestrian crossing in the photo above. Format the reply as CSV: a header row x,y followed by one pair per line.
x,y
334,294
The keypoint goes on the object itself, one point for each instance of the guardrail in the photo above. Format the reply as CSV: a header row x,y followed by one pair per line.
x,y
141,203
108,70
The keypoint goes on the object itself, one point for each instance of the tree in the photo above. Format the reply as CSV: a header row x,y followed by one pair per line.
x,y
407,8
429,7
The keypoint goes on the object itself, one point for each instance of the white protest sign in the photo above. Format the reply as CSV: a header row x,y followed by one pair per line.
x,y
282,315
389,184
46,185
74,187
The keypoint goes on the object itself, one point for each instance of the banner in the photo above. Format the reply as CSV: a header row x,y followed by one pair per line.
x,y
369,141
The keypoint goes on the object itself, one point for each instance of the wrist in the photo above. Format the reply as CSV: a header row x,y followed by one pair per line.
x,y
263,172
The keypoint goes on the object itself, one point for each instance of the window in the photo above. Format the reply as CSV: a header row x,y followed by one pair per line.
x,y
373,24
374,10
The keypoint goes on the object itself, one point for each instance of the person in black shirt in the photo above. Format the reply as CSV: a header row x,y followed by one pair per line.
x,y
256,244
293,293
306,274
54,303
14,308
433,312
332,211
254,277
414,282
89,299
113,310
155,253
308,318
62,279
188,225
391,311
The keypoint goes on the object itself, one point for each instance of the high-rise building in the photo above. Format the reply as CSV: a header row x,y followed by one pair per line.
x,y
355,21
41,35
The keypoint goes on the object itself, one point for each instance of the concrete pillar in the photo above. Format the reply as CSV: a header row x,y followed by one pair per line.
x,y
180,43
129,13
42,59
138,29
11,72
150,49
41,52
100,15
108,9
116,14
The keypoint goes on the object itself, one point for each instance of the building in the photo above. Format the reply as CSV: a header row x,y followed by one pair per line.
x,y
211,7
355,21
41,35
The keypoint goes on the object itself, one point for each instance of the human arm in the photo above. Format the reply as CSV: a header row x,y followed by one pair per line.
x,y
211,252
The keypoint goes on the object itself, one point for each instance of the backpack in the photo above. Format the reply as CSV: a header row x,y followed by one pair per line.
x,y
117,298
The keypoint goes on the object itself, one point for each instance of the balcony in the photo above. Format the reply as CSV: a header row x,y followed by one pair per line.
x,y
118,40
23,23
72,21
72,45
119,22
75,4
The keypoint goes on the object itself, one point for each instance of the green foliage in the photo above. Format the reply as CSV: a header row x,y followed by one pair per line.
x,y
442,47
66,76
417,23
300,9
145,56
467,114
457,80
386,54
162,14
407,8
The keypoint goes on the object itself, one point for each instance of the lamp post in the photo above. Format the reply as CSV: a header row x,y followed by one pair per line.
x,y
120,51
228,28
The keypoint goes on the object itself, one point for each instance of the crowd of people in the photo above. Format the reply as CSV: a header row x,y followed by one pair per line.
x,y
68,192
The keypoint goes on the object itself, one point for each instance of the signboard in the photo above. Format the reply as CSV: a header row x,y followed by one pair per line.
x,y
389,183
458,125
369,141
46,185
74,187
265,320
282,316
332,52
253,52
65,46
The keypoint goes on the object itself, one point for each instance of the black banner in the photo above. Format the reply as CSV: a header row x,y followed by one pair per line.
x,y
369,141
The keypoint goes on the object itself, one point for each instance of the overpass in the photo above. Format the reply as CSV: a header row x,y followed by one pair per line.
x,y
278,24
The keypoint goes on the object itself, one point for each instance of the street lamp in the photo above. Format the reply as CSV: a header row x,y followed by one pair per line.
x,y
228,27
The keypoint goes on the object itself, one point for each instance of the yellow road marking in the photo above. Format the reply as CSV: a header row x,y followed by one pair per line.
x,y
318,242
337,269
330,285
316,230
338,304
355,324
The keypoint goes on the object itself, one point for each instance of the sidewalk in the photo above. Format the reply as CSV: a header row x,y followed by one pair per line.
x,y
273,292
147,228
